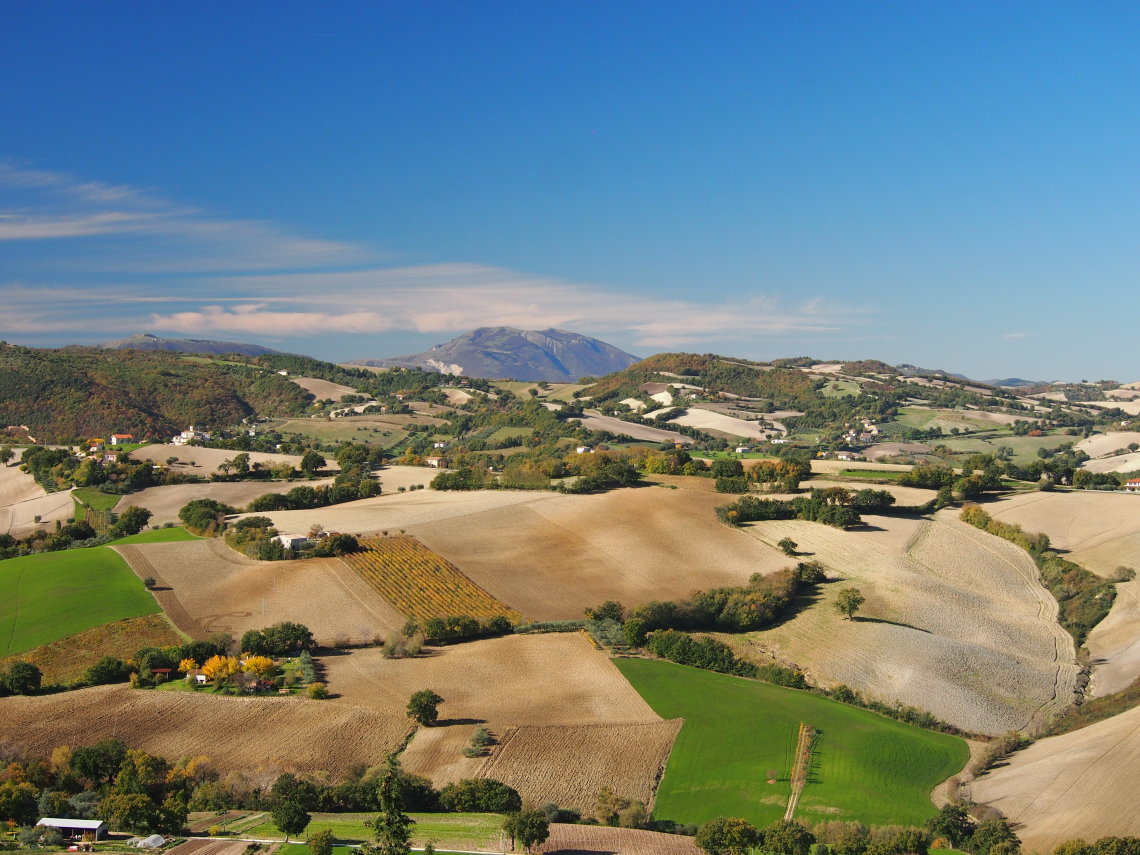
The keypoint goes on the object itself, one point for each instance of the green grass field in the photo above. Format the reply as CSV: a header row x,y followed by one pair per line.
x,y
866,767
303,849
872,474
840,388
507,432
461,830
50,596
174,534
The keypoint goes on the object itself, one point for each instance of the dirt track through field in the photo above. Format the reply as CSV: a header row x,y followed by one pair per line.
x,y
1080,784
207,587
955,622
235,733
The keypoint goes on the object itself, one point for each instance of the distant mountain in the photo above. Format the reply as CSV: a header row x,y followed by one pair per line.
x,y
146,341
506,353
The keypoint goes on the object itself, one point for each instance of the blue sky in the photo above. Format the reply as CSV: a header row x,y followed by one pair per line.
x,y
952,185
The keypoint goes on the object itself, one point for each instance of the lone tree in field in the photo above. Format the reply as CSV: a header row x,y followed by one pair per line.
x,y
6,454
393,826
290,818
848,602
787,546
528,827
424,707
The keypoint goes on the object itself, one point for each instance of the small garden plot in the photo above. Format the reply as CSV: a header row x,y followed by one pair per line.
x,y
420,583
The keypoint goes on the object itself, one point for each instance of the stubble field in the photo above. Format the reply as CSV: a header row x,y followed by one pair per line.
x,y
165,502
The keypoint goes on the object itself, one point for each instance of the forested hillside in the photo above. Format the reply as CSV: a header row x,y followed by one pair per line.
x,y
72,393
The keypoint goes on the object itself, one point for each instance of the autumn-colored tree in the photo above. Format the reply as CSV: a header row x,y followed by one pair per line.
x,y
220,668
187,665
262,666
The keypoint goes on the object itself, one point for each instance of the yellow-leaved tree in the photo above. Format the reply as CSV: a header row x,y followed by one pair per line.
x,y
220,668
262,666
187,665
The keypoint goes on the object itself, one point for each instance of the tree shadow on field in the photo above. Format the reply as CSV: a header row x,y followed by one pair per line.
x,y
448,722
813,774
865,619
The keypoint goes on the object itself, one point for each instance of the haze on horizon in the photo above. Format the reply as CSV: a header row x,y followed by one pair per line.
x,y
951,186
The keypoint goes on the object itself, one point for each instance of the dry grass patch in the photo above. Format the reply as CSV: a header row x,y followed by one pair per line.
x,y
1081,784
421,584
165,502
17,486
205,587
65,661
569,765
324,389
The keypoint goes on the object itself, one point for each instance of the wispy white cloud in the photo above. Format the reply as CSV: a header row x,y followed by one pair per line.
x,y
55,206
209,276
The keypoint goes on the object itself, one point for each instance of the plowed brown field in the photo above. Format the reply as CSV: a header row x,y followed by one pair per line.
x,y
569,765
569,839
204,586
235,733
956,622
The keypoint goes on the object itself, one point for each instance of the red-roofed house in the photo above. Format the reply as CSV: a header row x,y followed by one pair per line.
x,y
1133,485
121,438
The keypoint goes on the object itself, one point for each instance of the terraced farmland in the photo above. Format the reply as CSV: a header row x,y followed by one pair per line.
x,y
420,583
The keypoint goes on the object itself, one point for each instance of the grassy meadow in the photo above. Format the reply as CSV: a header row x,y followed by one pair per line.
x,y
865,767
50,596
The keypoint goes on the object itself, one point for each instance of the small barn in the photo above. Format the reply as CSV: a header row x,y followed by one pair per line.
x,y
74,829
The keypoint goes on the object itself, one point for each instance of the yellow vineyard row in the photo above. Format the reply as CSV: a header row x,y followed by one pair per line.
x,y
420,583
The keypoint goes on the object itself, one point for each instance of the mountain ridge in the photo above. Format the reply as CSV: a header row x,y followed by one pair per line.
x,y
510,353
147,341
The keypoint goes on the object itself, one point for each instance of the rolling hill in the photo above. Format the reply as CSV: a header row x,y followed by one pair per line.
x,y
507,353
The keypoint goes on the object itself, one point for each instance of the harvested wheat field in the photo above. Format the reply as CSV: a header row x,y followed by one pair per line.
x,y
1099,531
572,839
1124,463
418,583
204,586
904,496
65,661
234,733
1080,784
553,556
594,421
165,502
833,466
570,765
889,449
206,460
703,419
955,622
20,519
1101,444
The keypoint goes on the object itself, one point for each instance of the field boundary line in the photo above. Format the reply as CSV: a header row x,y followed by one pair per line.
x,y
801,768
166,599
